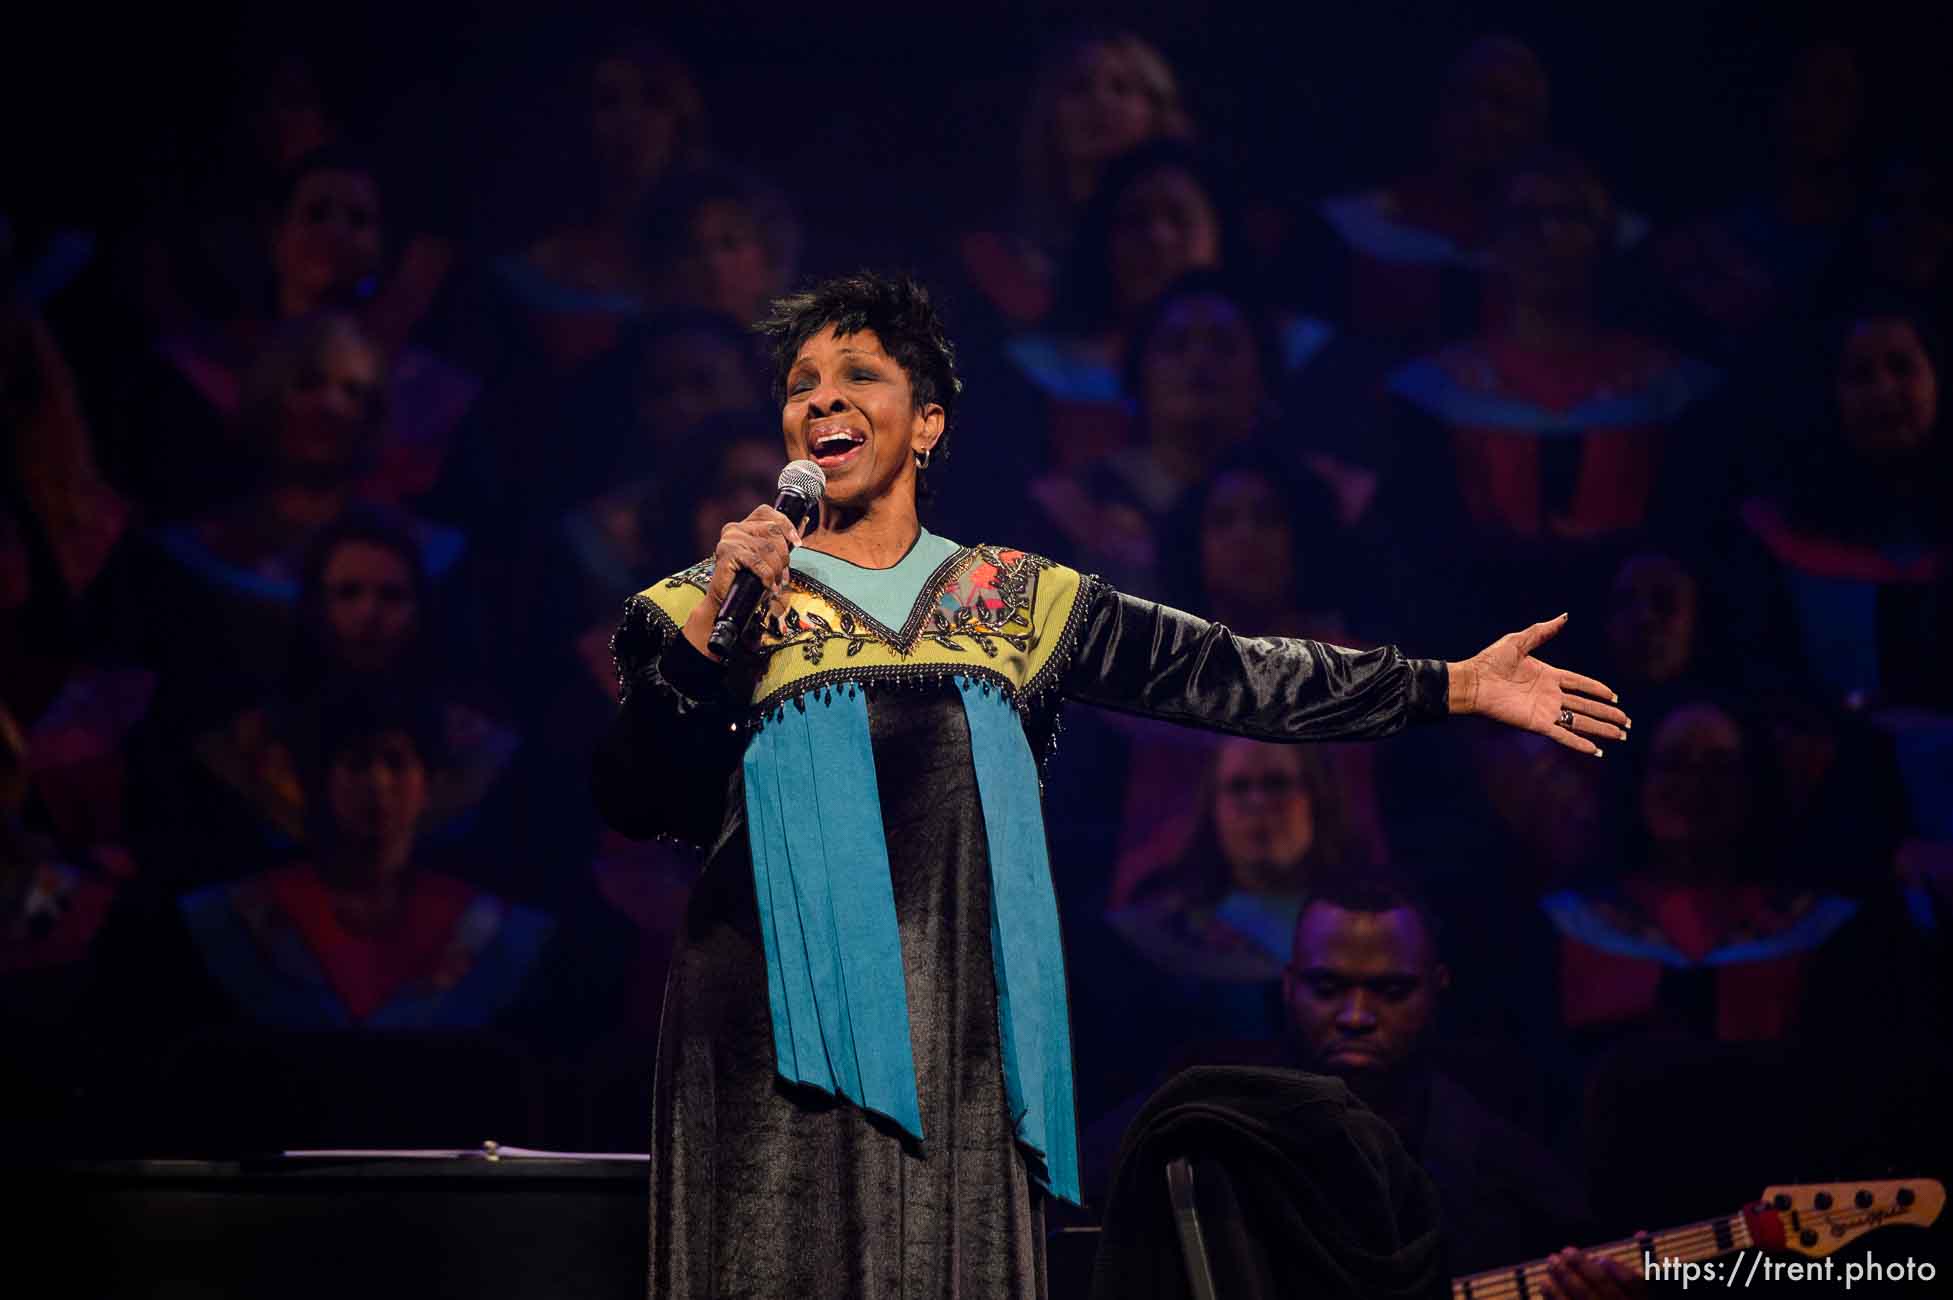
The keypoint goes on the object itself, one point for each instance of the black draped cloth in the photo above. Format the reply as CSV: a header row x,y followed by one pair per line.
x,y
765,1189
1318,1196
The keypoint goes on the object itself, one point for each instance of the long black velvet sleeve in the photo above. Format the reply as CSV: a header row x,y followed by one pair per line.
x,y
664,766
1136,656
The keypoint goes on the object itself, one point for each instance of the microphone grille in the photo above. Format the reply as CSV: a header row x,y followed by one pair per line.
x,y
805,478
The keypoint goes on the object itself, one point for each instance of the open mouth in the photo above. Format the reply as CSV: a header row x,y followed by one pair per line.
x,y
834,447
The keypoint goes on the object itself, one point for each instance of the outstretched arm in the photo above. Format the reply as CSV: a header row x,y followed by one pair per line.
x,y
1136,656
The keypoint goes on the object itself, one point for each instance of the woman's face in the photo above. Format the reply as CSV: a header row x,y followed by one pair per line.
x,y
728,269
1201,370
1247,545
1102,108
377,792
328,244
1163,226
1262,814
632,129
685,376
1651,619
370,606
851,410
329,413
1697,791
1888,395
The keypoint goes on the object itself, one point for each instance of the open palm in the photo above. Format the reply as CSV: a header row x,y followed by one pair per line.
x,y
1509,685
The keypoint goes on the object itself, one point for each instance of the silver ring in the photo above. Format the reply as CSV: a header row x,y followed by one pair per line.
x,y
1566,719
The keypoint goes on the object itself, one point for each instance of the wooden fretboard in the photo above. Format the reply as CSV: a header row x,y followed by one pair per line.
x,y
1694,1241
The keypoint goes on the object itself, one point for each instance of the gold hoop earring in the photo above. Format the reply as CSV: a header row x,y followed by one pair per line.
x,y
922,460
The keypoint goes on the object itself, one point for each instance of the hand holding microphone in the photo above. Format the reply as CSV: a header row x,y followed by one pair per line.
x,y
751,561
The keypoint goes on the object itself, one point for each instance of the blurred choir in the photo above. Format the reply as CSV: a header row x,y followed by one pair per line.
x,y
310,554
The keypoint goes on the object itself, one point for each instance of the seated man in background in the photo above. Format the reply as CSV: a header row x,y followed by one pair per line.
x,y
1360,994
1362,988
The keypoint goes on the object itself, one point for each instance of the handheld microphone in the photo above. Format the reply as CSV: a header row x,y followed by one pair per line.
x,y
801,485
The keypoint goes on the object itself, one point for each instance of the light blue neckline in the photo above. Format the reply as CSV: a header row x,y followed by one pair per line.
x,y
885,595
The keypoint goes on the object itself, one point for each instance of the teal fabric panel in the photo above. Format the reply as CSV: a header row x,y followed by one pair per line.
x,y
827,906
796,1036
1032,1010
888,595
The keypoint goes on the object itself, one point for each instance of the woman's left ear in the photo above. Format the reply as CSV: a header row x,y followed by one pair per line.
x,y
933,421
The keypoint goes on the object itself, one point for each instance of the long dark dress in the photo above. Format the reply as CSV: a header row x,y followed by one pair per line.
x,y
763,1188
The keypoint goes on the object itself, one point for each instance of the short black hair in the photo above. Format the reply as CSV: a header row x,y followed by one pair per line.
x,y
896,308
1372,890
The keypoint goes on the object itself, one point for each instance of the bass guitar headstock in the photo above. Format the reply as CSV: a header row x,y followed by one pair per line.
x,y
1815,1219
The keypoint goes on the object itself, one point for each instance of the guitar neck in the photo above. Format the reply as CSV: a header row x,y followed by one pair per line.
x,y
1694,1241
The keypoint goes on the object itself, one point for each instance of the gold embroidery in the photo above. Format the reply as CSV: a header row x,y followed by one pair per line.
x,y
964,581
1003,616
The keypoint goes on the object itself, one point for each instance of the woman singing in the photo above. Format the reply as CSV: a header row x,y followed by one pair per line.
x,y
864,1068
